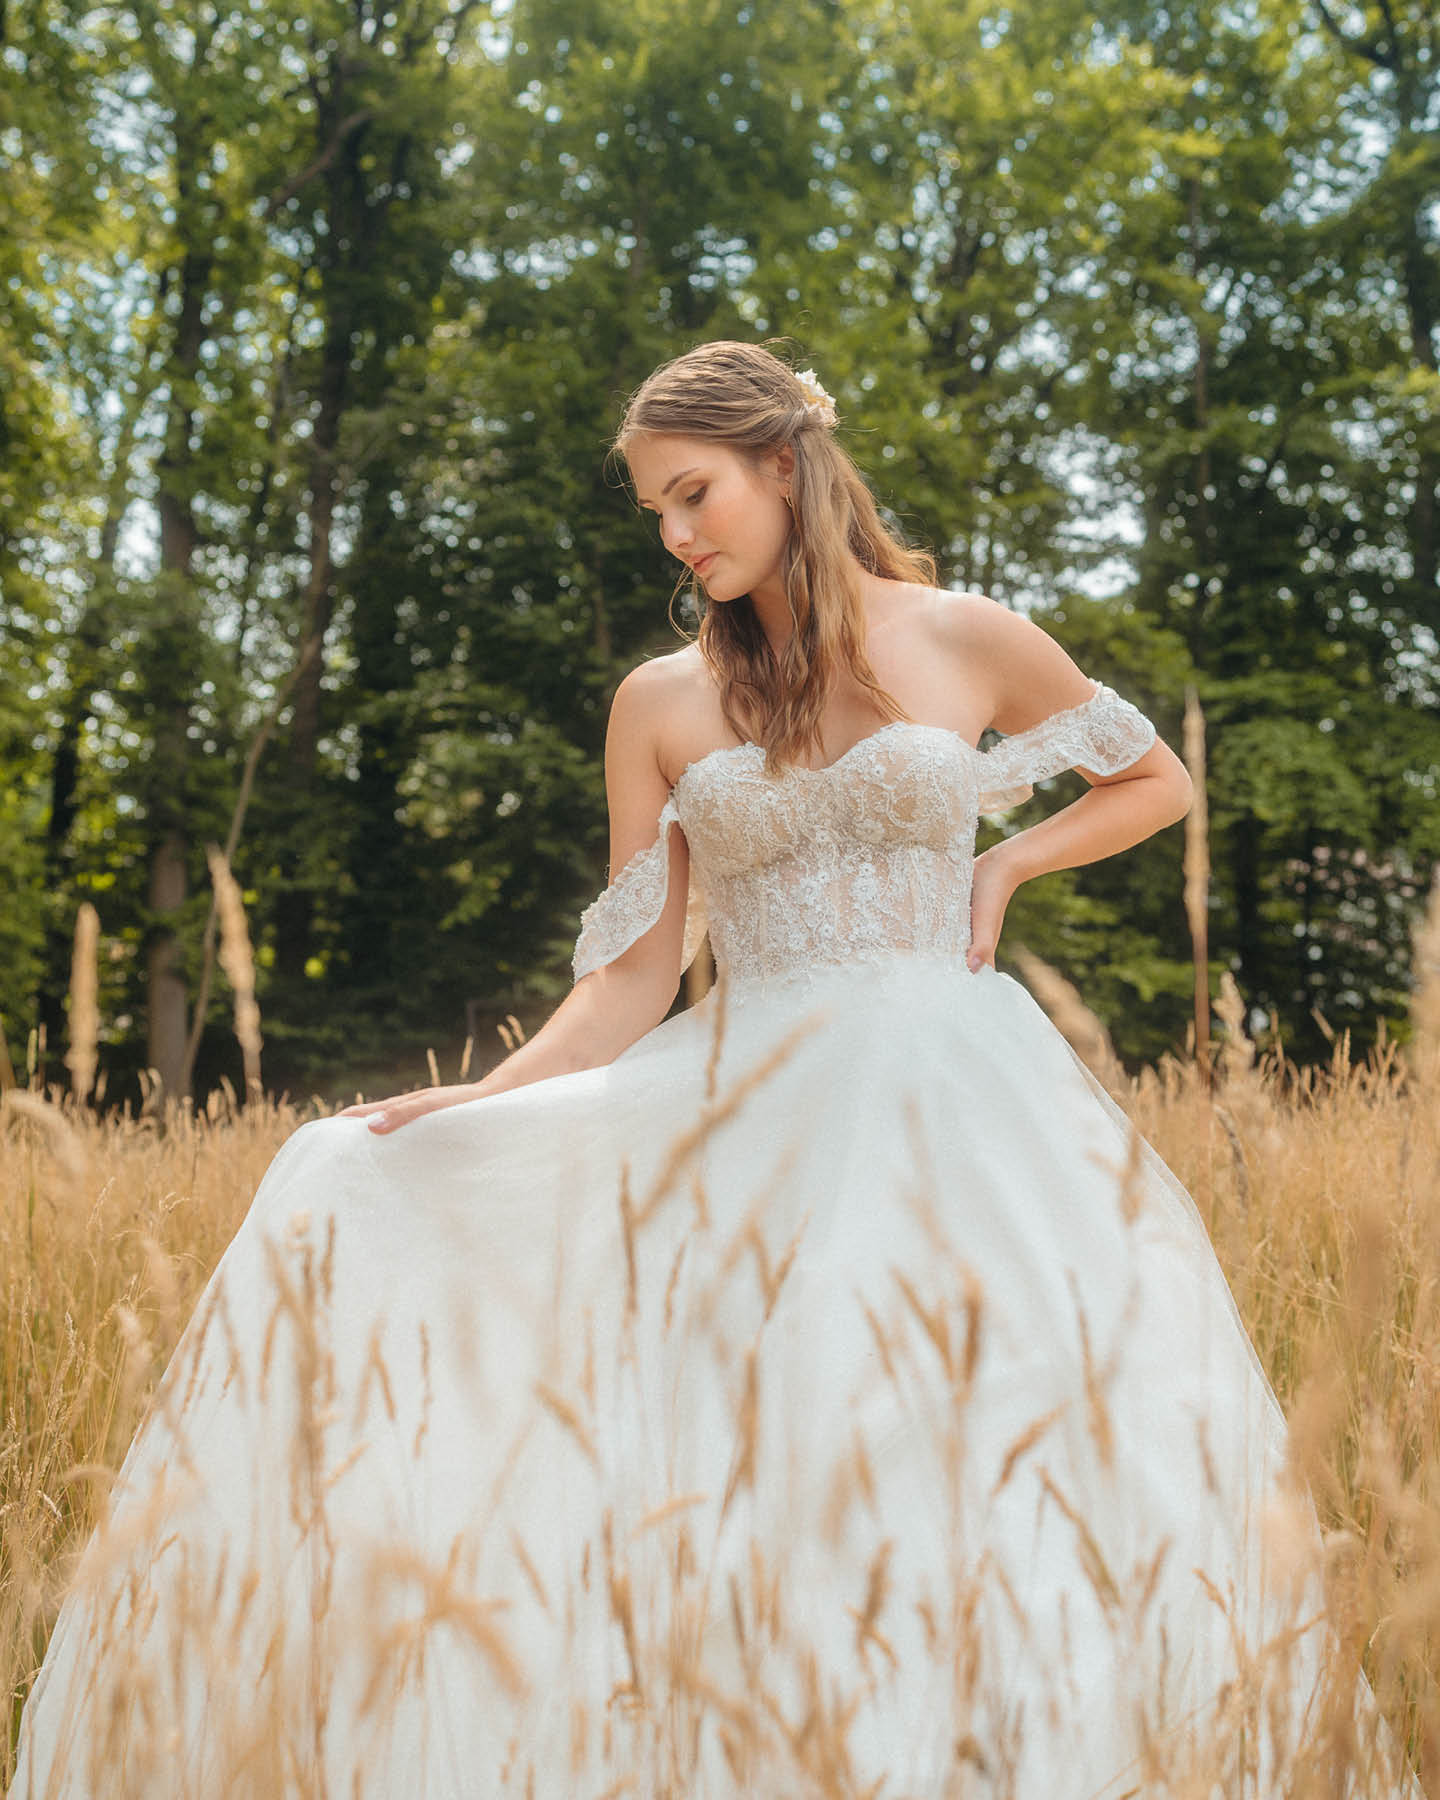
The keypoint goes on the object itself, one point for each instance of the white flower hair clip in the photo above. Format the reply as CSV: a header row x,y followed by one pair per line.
x,y
816,399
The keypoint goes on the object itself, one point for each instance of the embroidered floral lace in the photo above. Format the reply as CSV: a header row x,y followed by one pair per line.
x,y
866,858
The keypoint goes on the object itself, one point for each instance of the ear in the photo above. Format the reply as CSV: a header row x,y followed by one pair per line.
x,y
785,463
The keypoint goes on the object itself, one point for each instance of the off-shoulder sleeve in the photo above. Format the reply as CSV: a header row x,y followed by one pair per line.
x,y
633,902
1103,733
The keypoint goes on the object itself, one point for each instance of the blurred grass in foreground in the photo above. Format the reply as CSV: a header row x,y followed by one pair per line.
x,y
1320,1188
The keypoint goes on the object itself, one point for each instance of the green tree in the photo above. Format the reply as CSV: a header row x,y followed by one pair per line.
x,y
1243,383
315,326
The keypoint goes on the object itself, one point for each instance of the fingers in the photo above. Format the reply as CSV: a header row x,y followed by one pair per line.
x,y
386,1116
984,939
986,920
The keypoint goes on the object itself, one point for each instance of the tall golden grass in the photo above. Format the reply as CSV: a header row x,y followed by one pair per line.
x,y
1320,1188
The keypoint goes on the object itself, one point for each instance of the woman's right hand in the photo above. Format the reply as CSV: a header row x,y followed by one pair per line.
x,y
386,1116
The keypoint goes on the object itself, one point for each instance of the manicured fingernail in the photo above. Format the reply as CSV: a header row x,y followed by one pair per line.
x,y
376,1121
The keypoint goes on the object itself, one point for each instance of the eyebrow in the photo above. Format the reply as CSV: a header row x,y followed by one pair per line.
x,y
669,484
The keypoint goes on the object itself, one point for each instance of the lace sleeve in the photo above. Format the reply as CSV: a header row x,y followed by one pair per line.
x,y
633,903
1103,733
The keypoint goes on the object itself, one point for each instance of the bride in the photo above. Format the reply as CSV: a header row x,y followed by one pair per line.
x,y
820,1392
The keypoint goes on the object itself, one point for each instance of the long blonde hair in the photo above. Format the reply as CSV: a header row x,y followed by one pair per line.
x,y
746,397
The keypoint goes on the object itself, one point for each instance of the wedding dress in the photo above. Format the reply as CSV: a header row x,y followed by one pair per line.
x,y
831,1396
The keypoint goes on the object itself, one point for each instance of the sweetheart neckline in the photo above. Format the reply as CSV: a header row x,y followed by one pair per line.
x,y
880,731
844,756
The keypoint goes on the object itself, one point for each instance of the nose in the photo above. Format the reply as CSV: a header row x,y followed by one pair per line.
x,y
677,531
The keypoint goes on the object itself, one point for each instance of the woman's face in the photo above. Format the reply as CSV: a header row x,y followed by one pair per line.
x,y
720,513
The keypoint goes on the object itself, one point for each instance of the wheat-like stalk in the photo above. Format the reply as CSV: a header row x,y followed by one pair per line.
x,y
238,961
82,1057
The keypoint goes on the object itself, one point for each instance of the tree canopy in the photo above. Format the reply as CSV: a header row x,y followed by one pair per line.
x,y
315,322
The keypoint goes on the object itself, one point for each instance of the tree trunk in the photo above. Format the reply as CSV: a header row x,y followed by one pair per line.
x,y
64,770
92,634
349,231
173,653
295,905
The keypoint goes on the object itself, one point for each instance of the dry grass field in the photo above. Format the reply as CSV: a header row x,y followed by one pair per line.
x,y
1320,1187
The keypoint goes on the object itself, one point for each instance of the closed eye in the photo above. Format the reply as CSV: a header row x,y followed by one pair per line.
x,y
695,498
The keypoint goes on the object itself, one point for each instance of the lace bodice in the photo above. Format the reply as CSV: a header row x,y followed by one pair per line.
x,y
865,858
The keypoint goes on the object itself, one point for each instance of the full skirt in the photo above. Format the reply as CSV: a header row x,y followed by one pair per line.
x,y
831,1396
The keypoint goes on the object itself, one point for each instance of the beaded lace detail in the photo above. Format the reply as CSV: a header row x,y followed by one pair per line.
x,y
634,901
866,858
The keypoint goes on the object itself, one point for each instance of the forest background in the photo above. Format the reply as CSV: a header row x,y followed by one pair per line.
x,y
315,322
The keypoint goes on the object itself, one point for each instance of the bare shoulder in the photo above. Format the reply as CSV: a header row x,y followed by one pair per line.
x,y
1026,673
967,631
660,683
667,707
967,623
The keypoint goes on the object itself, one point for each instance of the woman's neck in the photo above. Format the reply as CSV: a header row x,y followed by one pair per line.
x,y
772,605
772,611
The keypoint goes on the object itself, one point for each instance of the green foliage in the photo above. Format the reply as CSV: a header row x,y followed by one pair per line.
x,y
320,317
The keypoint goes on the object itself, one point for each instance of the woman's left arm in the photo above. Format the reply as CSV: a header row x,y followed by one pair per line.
x,y
1030,678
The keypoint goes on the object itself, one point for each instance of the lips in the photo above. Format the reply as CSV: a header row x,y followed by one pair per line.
x,y
699,567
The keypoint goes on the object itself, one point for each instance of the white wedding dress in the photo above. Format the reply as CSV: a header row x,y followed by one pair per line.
x,y
828,1397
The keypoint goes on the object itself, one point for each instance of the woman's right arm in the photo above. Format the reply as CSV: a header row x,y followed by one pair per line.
x,y
610,1008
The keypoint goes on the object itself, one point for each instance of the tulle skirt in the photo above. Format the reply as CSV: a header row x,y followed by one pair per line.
x,y
830,1396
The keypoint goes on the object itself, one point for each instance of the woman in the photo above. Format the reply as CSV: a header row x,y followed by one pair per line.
x,y
819,1392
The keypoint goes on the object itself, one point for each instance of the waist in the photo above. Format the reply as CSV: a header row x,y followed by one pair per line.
x,y
891,912
814,978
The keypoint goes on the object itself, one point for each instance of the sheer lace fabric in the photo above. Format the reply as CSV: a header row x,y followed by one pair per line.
x,y
866,858
634,902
